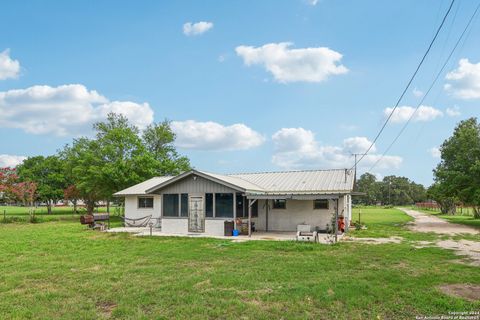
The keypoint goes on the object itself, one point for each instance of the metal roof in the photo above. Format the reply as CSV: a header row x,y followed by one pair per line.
x,y
302,182
235,180
141,188
269,183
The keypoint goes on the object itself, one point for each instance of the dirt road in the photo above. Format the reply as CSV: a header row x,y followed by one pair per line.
x,y
428,223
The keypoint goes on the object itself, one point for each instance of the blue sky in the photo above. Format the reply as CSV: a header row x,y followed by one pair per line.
x,y
259,85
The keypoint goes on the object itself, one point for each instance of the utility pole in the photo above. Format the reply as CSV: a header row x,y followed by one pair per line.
x,y
355,165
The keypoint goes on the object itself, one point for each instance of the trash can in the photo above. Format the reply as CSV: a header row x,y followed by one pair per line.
x,y
228,228
236,233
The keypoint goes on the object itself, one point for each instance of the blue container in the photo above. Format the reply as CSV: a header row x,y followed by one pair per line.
x,y
235,233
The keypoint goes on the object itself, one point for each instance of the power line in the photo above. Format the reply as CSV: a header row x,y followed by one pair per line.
x,y
408,85
430,88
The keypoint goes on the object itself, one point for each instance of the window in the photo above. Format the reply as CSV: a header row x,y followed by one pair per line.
x,y
224,205
240,204
145,202
209,205
170,205
184,205
320,204
279,204
255,209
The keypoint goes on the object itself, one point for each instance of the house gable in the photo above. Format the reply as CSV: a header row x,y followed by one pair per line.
x,y
194,183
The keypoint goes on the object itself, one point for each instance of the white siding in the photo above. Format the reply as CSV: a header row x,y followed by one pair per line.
x,y
133,212
175,225
297,212
215,227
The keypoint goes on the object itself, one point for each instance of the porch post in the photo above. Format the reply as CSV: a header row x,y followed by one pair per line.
x,y
336,221
250,218
234,210
266,214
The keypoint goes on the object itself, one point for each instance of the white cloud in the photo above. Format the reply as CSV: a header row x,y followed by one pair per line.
x,y
453,112
464,81
296,148
7,160
210,135
293,65
9,68
417,93
435,152
423,114
358,145
194,29
64,110
312,2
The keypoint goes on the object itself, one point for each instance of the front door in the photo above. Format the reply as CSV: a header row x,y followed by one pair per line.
x,y
196,215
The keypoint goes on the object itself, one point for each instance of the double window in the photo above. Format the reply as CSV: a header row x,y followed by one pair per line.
x,y
145,202
175,205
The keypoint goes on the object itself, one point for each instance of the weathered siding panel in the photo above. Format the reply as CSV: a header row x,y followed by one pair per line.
x,y
199,185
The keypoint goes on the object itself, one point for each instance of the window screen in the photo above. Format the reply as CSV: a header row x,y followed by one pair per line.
x,y
240,204
170,205
184,205
209,205
224,205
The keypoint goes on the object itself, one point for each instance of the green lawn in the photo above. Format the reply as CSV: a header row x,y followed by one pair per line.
x,y
386,222
60,270
465,218
21,214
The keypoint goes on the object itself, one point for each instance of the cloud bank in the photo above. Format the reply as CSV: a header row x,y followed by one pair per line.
x,y
297,148
64,110
210,135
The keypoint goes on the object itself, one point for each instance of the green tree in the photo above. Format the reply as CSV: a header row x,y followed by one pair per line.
x,y
447,203
367,183
458,173
48,175
118,158
84,167
158,139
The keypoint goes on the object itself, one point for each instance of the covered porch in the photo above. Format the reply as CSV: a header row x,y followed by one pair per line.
x,y
280,214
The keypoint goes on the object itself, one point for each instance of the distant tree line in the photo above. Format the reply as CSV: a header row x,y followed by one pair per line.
x,y
391,190
92,169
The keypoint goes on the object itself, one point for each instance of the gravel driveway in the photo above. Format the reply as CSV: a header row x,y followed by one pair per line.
x,y
428,223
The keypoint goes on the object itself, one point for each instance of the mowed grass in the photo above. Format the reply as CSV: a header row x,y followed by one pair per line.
x,y
61,270
10,214
383,222
465,217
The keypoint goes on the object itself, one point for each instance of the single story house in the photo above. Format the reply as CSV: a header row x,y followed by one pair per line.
x,y
201,202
